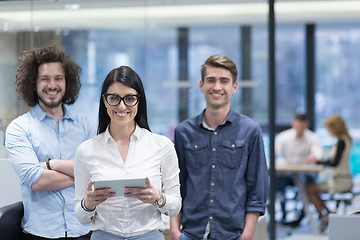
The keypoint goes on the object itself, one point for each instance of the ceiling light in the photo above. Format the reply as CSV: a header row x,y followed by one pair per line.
x,y
72,6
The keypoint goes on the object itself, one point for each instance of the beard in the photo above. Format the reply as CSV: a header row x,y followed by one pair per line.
x,y
50,104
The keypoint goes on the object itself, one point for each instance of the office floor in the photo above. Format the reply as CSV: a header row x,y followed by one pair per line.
x,y
304,231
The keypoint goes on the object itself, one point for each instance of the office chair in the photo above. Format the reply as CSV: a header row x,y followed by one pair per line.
x,y
10,221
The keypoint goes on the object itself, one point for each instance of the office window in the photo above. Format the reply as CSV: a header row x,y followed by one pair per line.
x,y
338,73
204,42
152,54
260,74
290,73
161,69
8,64
338,85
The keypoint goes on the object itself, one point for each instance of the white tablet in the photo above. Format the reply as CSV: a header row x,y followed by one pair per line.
x,y
118,185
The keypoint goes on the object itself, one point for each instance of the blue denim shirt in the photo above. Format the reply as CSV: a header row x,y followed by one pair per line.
x,y
32,138
223,175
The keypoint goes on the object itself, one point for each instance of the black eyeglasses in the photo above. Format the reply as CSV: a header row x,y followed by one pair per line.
x,y
114,99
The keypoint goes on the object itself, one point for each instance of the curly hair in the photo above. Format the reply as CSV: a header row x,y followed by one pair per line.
x,y
27,73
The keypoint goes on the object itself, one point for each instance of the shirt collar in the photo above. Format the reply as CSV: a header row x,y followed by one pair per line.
x,y
39,112
137,134
201,120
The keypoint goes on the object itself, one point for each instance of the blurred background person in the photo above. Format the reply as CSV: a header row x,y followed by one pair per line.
x,y
339,157
295,146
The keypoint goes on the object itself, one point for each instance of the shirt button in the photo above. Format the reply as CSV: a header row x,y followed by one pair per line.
x,y
233,145
214,149
215,133
212,184
211,218
196,146
211,201
213,166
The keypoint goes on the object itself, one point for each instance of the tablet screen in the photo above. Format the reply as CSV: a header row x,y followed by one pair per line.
x,y
118,185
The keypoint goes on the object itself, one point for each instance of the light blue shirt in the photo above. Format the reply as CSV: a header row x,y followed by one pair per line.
x,y
32,138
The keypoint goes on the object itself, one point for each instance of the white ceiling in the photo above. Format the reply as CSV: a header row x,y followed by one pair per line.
x,y
78,14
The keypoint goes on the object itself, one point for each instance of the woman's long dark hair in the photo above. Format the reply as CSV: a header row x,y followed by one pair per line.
x,y
127,76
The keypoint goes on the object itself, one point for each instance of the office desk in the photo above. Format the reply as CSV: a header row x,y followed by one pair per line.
x,y
296,170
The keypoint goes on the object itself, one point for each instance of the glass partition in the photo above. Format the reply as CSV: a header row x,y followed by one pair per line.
x,y
143,34
338,85
204,42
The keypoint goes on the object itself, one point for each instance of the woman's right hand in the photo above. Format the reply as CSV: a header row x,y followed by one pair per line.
x,y
175,234
310,159
96,196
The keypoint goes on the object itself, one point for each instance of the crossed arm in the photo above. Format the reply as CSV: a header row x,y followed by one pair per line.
x,y
60,176
29,163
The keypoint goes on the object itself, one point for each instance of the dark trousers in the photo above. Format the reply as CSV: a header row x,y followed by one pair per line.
x,y
28,236
284,180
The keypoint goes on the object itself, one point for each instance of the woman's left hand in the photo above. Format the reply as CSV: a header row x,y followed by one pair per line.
x,y
149,194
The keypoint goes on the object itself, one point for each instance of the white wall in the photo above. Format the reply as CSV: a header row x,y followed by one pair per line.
x,y
9,184
3,152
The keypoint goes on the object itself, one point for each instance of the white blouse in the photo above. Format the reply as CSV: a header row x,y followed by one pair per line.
x,y
149,155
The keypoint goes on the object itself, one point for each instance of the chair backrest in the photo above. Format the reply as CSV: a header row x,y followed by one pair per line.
x,y
261,229
10,221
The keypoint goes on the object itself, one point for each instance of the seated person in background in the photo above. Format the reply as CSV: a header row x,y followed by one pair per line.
x,y
339,156
296,145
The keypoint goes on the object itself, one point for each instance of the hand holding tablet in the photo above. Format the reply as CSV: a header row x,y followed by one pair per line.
x,y
118,185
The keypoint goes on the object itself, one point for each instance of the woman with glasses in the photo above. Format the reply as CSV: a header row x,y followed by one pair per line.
x,y
124,149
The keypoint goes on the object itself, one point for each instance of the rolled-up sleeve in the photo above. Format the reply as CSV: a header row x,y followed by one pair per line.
x,y
82,178
257,178
170,180
21,153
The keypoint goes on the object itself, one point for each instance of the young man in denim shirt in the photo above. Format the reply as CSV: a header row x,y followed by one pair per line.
x,y
223,172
